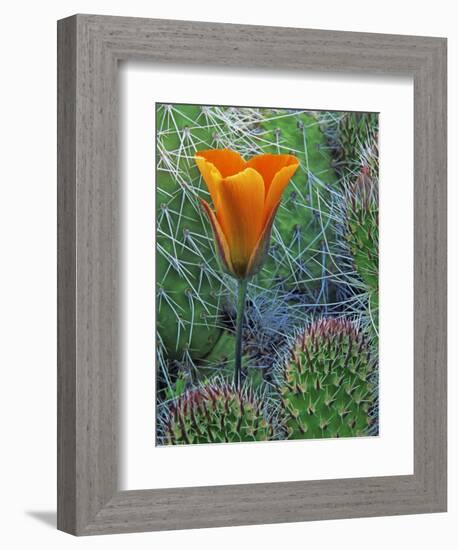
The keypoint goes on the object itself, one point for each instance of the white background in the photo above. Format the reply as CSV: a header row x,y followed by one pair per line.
x,y
28,245
389,454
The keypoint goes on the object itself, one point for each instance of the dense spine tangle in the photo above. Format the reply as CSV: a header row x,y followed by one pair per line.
x,y
326,388
216,413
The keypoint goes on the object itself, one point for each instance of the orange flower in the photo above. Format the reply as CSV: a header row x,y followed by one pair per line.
x,y
246,196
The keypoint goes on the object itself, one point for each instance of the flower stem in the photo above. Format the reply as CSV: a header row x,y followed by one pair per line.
x,y
242,288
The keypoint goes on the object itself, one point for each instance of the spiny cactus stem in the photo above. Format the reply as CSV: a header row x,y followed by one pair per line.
x,y
242,288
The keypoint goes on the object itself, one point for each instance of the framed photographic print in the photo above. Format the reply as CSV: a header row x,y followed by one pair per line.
x,y
251,274
286,346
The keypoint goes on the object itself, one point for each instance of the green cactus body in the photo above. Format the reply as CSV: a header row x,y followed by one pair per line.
x,y
302,221
326,384
189,283
215,414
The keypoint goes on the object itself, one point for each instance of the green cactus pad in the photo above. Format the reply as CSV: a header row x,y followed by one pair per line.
x,y
326,384
216,414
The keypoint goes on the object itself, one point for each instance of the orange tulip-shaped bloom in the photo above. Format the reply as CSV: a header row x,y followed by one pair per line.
x,y
246,196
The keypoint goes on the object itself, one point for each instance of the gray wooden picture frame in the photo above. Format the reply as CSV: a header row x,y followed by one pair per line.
x,y
89,49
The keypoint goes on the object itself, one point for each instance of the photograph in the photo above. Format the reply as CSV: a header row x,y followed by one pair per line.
x,y
266,248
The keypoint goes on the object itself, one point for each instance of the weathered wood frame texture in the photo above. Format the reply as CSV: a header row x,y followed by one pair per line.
x,y
89,49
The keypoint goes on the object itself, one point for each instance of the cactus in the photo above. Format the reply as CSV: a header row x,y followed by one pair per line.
x,y
362,239
326,384
216,413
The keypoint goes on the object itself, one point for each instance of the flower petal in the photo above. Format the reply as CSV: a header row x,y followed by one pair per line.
x,y
269,165
212,177
261,249
241,215
227,162
279,182
220,239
